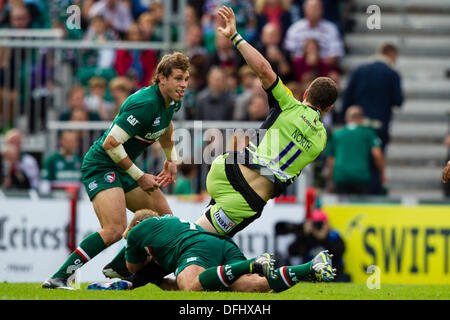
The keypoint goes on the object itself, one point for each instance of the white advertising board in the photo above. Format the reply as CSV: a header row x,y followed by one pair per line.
x,y
33,238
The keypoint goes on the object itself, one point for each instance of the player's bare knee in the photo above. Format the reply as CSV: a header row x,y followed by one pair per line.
x,y
113,233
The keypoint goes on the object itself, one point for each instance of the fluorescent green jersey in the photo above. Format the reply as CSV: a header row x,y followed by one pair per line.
x,y
291,137
144,117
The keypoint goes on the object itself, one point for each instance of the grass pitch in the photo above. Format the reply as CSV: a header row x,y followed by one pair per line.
x,y
302,291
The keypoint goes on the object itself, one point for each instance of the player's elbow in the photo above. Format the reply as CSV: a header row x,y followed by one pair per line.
x,y
109,143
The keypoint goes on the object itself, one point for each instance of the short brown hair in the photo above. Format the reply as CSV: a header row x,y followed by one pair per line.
x,y
176,60
322,93
387,48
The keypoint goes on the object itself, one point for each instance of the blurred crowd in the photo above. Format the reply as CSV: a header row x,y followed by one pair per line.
x,y
302,39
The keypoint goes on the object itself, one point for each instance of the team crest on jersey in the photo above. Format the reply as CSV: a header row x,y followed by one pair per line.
x,y
110,176
157,121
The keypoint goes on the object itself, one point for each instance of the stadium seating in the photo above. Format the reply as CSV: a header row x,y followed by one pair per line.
x,y
420,29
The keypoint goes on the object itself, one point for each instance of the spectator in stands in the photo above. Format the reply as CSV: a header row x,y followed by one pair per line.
x,y
215,102
271,47
333,10
185,184
141,62
96,101
349,154
25,163
191,17
62,167
147,25
156,9
258,108
194,42
98,31
274,12
190,95
376,87
20,17
312,236
120,89
248,81
310,62
76,102
225,55
13,176
315,27
11,67
138,7
117,14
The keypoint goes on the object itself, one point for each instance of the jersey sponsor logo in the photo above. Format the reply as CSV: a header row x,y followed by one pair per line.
x,y
110,176
132,120
157,122
223,221
155,135
309,124
191,259
93,185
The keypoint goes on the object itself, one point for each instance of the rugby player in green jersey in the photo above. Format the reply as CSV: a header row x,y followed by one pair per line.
x,y
292,136
109,174
204,260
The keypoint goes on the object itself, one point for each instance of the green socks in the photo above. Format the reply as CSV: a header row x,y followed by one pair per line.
x,y
288,276
88,249
119,264
221,277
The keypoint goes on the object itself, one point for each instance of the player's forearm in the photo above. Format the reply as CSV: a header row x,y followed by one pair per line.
x,y
167,144
255,61
117,153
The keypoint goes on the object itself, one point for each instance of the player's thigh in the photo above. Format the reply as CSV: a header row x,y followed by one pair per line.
x,y
139,199
250,283
109,206
187,279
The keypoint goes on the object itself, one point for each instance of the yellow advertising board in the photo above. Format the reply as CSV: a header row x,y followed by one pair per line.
x,y
407,244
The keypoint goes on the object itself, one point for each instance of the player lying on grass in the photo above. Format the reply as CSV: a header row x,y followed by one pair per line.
x,y
203,260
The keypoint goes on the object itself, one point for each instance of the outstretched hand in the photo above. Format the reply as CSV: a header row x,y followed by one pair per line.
x,y
168,174
227,15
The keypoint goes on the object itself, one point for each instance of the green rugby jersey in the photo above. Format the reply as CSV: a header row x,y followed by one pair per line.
x,y
291,137
144,117
351,147
164,238
59,168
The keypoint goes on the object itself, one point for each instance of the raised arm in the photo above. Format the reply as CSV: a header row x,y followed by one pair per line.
x,y
254,59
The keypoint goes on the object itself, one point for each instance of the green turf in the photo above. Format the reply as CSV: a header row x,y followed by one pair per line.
x,y
302,291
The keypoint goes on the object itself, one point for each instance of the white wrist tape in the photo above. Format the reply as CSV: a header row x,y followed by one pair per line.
x,y
117,153
135,172
171,154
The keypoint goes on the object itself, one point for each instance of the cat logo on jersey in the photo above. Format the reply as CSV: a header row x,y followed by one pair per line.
x,y
132,120
110,177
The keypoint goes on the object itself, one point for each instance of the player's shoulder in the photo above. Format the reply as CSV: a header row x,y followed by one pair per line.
x,y
141,98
